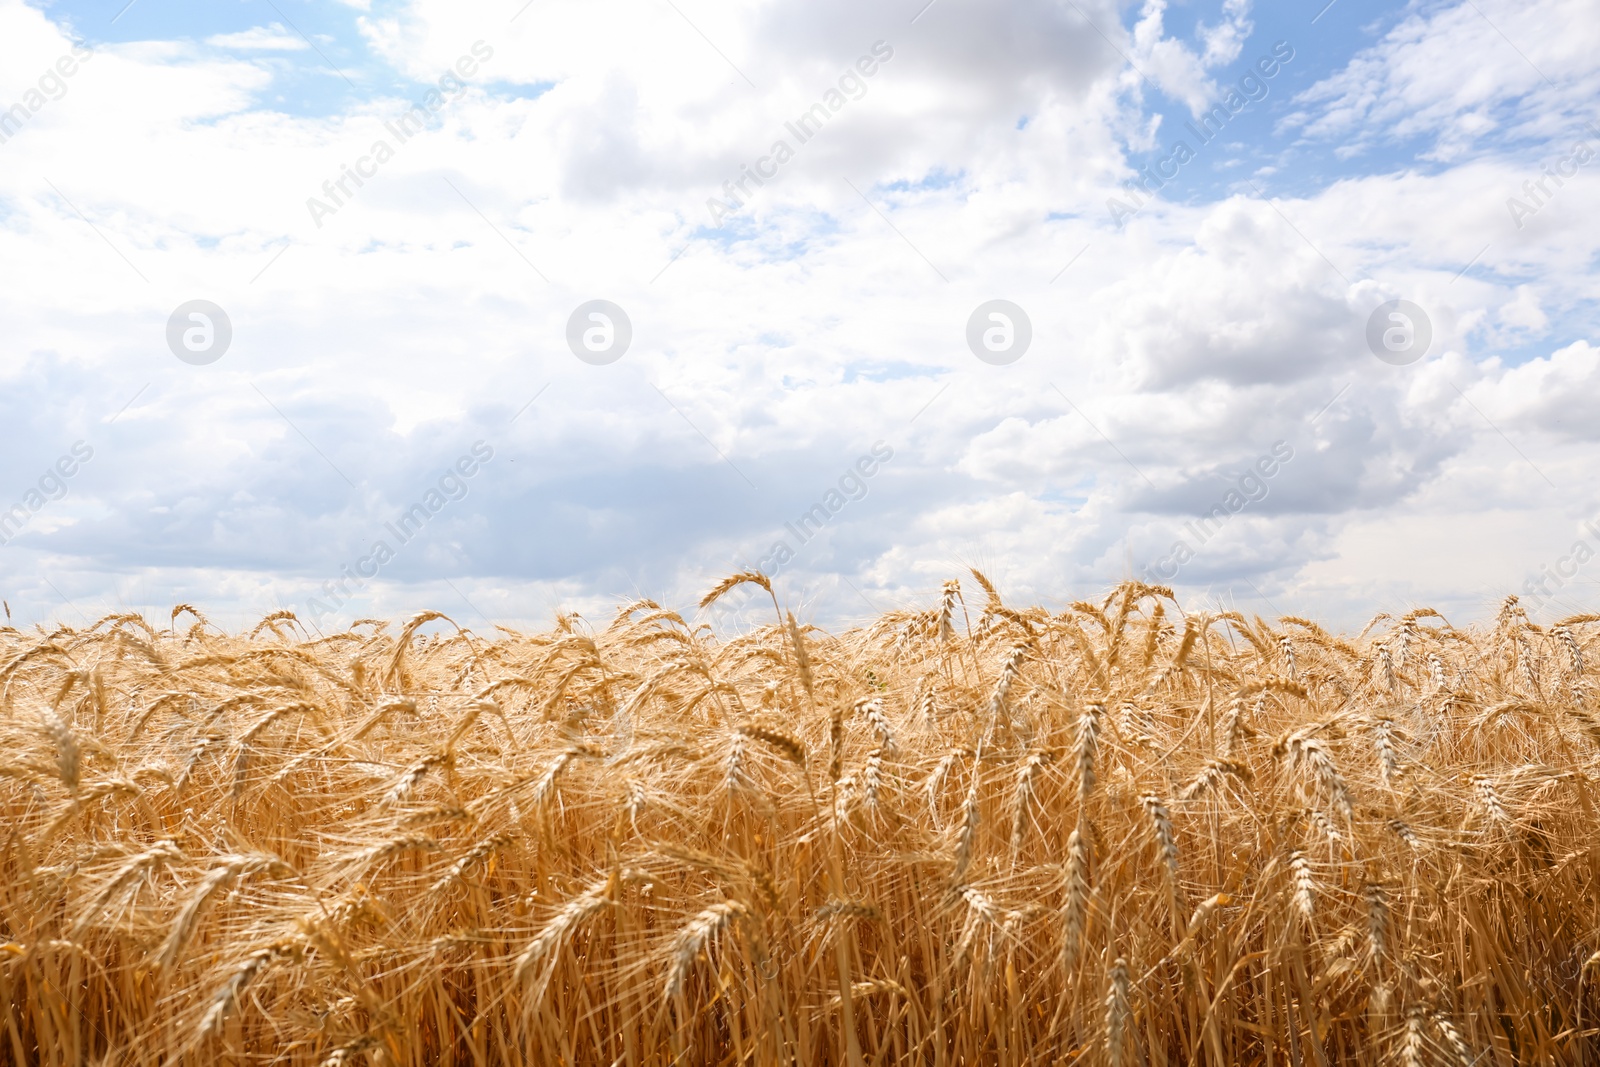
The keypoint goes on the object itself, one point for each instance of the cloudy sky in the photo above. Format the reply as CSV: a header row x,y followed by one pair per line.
x,y
397,215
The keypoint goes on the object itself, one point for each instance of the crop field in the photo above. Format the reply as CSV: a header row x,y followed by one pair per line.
x,y
976,833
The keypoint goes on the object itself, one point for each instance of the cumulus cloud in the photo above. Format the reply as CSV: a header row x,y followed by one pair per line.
x,y
573,159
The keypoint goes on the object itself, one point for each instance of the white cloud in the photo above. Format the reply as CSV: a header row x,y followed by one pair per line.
x,y
1174,66
273,38
829,315
1453,73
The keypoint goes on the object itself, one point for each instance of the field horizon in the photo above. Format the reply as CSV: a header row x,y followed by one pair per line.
x,y
971,833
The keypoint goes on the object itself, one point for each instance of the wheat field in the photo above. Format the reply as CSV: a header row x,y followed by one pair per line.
x,y
972,834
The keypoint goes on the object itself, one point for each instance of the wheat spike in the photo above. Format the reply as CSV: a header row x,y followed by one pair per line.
x,y
1382,728
733,581
536,963
226,998
872,778
1569,644
1076,909
220,877
790,748
472,857
1489,797
1453,1040
947,604
695,936
873,710
132,872
1305,885
1117,1012
1377,919
1088,750
966,835
1311,755
1022,796
734,779
1161,828
1412,1045
874,987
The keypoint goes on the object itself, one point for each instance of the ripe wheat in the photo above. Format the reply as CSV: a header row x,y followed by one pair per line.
x,y
1118,834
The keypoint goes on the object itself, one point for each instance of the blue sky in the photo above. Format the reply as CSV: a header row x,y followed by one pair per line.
x,y
374,344
323,67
